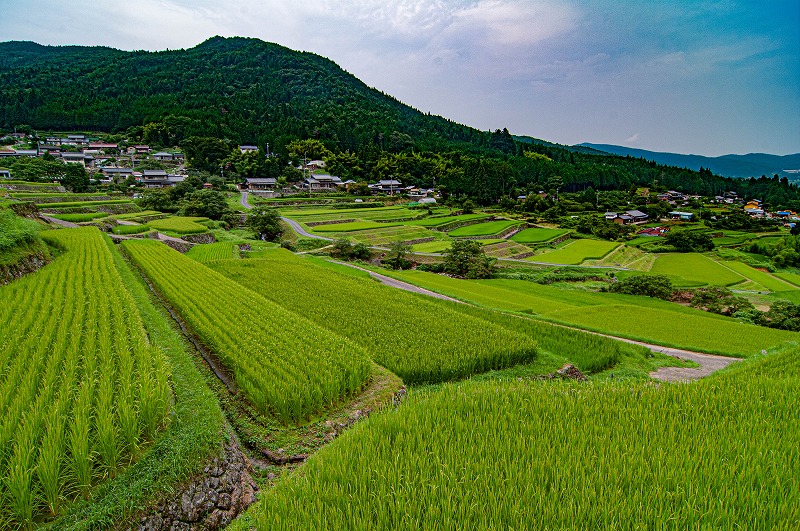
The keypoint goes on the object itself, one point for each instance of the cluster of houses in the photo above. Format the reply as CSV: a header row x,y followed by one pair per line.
x,y
89,153
322,182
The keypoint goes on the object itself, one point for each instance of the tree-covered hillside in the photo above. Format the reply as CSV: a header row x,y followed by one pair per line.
x,y
244,90
230,91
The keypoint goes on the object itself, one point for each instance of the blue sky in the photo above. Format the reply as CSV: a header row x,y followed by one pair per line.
x,y
703,77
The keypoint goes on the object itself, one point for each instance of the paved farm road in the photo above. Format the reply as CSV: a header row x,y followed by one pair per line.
x,y
245,202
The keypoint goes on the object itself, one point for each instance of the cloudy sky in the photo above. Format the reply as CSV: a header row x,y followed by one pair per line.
x,y
707,77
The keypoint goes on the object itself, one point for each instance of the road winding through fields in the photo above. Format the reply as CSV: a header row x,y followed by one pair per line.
x,y
708,363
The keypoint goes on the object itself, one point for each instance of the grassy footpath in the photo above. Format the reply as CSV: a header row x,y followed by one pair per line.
x,y
194,434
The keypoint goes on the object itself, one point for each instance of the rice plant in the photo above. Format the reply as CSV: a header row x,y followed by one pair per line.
x,y
72,346
282,362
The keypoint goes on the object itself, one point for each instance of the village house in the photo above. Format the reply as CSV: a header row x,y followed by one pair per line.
x,y
259,183
387,186
159,179
627,217
683,216
102,147
5,174
322,182
78,158
653,232
139,150
248,149
163,155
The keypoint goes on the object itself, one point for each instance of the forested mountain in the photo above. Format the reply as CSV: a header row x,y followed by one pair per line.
x,y
230,91
245,90
749,165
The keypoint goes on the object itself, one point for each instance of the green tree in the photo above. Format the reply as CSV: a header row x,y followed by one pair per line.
x,y
397,257
689,241
265,223
719,300
75,178
657,286
205,153
206,203
466,259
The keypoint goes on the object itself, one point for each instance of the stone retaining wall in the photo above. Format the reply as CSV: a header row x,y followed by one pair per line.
x,y
333,222
205,237
211,501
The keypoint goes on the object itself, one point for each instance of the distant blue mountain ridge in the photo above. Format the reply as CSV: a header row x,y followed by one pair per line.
x,y
750,165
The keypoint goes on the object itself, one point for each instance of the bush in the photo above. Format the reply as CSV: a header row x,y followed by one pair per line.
x,y
15,230
689,241
719,300
466,259
657,286
396,259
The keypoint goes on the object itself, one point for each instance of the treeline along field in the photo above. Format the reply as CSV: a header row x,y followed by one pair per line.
x,y
283,363
83,391
718,454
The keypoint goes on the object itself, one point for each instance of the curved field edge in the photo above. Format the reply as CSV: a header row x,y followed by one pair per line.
x,y
410,335
489,455
636,320
281,361
193,436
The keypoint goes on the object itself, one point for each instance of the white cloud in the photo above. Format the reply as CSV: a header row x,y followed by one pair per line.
x,y
633,139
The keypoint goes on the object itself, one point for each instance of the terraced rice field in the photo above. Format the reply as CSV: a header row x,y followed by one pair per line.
x,y
90,204
626,256
180,225
351,227
444,220
130,229
437,246
641,318
538,235
363,214
389,324
490,228
485,455
506,249
209,252
80,218
693,269
385,237
768,281
83,393
576,252
792,278
284,364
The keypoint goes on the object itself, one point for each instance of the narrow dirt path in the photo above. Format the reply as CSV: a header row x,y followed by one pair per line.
x,y
709,363
61,222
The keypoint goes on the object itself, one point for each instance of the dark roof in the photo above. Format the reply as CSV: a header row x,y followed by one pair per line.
x,y
154,173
